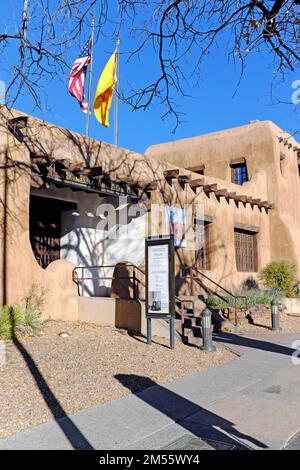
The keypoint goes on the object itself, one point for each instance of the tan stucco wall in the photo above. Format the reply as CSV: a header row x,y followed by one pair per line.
x,y
258,143
19,268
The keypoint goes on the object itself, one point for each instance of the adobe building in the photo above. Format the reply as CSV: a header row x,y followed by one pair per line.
x,y
74,210
262,162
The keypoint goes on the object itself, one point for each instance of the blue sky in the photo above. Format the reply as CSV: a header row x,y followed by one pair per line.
x,y
215,102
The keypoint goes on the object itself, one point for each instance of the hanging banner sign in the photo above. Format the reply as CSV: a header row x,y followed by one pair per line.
x,y
176,224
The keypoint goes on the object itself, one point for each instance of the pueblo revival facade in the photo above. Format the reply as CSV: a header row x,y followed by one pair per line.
x,y
255,167
75,213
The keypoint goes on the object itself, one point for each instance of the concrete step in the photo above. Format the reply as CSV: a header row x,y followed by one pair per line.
x,y
192,321
192,331
192,336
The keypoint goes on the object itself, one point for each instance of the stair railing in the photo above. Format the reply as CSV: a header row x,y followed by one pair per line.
x,y
80,277
195,277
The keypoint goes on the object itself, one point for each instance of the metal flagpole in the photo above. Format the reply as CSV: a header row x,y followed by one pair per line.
x,y
90,79
117,90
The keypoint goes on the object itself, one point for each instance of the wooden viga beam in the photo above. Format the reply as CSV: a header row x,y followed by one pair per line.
x,y
152,186
184,179
171,174
233,196
242,198
266,205
238,197
194,184
210,188
40,159
221,193
207,188
255,202
92,172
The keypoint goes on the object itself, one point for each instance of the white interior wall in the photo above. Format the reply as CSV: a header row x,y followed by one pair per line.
x,y
91,239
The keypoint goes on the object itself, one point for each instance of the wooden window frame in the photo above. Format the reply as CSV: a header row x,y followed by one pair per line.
x,y
199,169
246,256
234,166
203,255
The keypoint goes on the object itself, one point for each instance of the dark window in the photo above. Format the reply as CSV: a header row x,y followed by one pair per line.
x,y
245,250
239,173
203,244
45,227
197,169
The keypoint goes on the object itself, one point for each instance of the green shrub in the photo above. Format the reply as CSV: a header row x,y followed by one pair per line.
x,y
280,276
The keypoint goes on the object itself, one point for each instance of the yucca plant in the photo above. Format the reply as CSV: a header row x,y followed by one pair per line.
x,y
20,320
11,321
6,327
33,320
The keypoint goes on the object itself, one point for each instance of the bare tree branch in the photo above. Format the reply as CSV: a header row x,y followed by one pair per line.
x,y
179,34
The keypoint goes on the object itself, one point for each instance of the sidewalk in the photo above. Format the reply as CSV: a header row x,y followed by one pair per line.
x,y
252,402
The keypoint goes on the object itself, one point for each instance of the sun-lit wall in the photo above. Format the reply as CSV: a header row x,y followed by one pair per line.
x,y
101,231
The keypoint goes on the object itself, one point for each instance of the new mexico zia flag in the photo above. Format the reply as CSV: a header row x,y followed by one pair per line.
x,y
105,90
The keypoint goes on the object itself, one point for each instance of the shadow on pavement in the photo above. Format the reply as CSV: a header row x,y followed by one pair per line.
x,y
253,343
195,419
70,430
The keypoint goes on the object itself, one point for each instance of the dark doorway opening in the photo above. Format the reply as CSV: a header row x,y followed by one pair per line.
x,y
45,227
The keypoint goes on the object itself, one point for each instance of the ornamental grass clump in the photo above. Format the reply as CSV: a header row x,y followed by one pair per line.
x,y
23,319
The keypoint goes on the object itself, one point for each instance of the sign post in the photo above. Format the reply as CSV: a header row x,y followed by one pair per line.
x,y
160,283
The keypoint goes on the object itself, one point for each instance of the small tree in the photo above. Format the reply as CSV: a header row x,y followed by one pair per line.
x,y
280,275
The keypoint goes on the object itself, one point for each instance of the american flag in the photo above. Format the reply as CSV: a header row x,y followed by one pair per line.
x,y
78,74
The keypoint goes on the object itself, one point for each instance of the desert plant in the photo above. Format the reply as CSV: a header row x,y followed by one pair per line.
x,y
6,327
33,320
21,319
35,298
224,300
254,297
280,275
11,321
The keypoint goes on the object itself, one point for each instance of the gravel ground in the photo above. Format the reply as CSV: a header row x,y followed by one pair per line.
x,y
289,323
46,376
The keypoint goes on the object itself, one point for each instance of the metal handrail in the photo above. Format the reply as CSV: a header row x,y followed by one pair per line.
x,y
77,278
136,280
235,297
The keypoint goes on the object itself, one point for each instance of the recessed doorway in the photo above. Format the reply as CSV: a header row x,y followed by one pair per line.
x,y
45,227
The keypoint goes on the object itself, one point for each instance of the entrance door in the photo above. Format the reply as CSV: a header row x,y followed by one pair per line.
x,y
45,227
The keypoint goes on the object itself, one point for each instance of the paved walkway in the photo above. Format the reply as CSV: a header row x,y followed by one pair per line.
x,y
251,402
